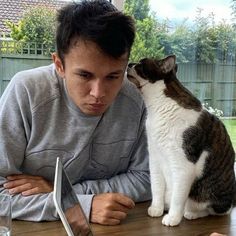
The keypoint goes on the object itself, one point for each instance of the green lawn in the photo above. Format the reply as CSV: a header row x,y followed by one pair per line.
x,y
231,127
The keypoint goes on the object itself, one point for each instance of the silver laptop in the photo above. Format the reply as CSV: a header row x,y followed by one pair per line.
x,y
68,206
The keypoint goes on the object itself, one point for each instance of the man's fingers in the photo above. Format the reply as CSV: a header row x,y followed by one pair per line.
x,y
15,183
22,176
115,206
112,218
109,221
124,200
30,191
20,189
27,185
118,215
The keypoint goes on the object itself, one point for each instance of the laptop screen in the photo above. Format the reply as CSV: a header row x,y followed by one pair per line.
x,y
72,212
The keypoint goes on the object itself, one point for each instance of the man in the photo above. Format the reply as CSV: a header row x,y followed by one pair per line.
x,y
82,110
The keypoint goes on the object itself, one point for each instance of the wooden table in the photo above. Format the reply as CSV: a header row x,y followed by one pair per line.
x,y
136,224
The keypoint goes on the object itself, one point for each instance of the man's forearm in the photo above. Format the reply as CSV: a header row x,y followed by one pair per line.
x,y
135,184
38,207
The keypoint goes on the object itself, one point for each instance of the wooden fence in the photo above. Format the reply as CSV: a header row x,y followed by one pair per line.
x,y
211,83
18,56
214,84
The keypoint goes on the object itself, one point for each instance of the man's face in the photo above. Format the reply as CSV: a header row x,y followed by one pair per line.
x,y
93,79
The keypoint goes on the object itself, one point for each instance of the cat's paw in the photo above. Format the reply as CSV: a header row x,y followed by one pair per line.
x,y
171,220
190,215
195,215
154,211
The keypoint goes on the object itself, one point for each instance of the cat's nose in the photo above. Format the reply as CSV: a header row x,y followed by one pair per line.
x,y
131,64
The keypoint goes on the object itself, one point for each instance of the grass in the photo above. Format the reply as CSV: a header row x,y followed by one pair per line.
x,y
231,128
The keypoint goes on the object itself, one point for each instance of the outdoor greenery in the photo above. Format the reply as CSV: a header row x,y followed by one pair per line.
x,y
36,26
230,125
202,41
233,6
148,40
212,110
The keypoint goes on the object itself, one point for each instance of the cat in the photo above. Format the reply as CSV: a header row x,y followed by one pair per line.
x,y
191,155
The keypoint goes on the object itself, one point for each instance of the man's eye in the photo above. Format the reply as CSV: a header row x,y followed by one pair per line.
x,y
113,77
84,75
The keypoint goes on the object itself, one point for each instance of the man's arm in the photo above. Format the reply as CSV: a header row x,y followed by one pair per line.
x,y
134,183
14,127
33,208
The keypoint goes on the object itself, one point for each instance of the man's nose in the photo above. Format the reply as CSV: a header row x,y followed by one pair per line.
x,y
97,89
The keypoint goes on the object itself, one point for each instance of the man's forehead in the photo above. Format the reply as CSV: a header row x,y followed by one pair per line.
x,y
85,43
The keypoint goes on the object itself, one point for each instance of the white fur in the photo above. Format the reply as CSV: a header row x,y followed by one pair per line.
x,y
172,174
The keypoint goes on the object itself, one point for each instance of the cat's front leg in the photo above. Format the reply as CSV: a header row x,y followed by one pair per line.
x,y
158,190
182,182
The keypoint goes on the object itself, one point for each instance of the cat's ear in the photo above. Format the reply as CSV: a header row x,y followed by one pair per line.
x,y
168,64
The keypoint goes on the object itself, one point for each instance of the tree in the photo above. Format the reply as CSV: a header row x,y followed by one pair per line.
x,y
204,38
225,42
233,6
139,9
146,42
177,40
37,25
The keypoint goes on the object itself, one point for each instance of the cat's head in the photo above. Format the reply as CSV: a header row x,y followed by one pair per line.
x,y
150,71
157,79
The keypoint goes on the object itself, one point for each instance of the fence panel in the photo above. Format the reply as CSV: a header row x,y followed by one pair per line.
x,y
211,83
11,64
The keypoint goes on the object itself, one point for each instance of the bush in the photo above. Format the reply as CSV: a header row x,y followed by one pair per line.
x,y
37,26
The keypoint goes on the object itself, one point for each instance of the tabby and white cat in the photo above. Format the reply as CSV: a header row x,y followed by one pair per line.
x,y
191,155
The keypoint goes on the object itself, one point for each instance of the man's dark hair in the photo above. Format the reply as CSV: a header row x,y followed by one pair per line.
x,y
97,21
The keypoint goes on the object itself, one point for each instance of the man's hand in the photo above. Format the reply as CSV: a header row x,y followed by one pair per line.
x,y
110,208
27,184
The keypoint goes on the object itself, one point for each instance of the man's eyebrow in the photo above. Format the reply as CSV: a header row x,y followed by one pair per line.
x,y
116,72
78,70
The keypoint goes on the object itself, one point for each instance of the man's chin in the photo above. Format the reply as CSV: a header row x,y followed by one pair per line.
x,y
93,112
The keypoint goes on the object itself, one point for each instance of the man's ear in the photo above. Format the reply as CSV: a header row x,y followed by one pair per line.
x,y
58,64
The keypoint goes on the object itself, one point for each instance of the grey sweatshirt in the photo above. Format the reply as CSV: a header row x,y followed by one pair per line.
x,y
39,122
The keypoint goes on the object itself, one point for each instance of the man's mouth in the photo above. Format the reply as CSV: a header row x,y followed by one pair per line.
x,y
96,106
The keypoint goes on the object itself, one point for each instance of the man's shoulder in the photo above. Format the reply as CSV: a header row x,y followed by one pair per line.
x,y
40,84
35,75
131,93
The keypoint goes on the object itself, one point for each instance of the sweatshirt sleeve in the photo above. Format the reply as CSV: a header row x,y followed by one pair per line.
x,y
15,121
